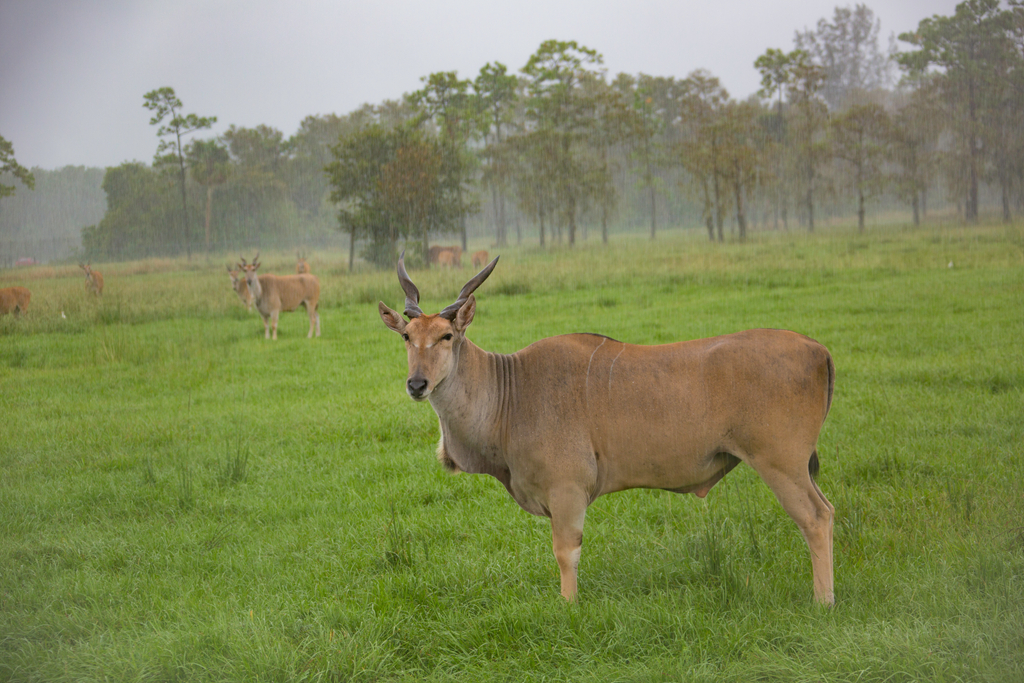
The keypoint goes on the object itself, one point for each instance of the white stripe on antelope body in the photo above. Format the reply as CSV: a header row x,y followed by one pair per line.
x,y
570,418
273,294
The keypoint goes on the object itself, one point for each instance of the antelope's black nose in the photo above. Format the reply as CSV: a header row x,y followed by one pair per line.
x,y
416,386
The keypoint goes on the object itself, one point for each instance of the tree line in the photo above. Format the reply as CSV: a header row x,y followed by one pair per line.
x,y
558,149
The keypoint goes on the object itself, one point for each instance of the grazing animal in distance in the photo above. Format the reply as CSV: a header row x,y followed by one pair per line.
x,y
23,296
93,279
573,417
301,266
436,255
479,259
275,293
446,259
241,287
8,301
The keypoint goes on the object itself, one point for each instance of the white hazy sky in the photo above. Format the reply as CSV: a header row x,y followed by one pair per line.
x,y
73,72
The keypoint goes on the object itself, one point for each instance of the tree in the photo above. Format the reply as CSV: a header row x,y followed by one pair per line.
x,y
808,120
560,109
774,68
11,165
445,100
495,90
913,141
391,184
208,162
965,49
163,103
859,138
847,50
701,148
739,155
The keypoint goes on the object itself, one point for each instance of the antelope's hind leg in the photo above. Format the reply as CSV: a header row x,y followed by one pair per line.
x,y
790,480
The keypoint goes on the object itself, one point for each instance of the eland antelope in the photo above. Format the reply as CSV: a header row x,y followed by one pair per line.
x,y
93,279
445,256
301,266
573,417
14,300
479,259
275,293
241,288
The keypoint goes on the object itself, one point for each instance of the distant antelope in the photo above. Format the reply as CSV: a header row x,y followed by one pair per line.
x,y
301,267
8,301
479,259
436,255
241,288
570,418
93,279
275,293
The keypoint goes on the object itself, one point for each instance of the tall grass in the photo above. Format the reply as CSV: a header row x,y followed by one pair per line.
x,y
180,499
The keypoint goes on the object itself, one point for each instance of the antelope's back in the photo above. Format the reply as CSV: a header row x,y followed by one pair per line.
x,y
293,290
678,399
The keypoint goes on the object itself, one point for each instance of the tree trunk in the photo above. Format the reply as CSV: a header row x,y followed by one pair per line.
x,y
810,209
719,218
209,203
860,211
1005,183
351,248
917,213
542,225
741,218
462,215
604,224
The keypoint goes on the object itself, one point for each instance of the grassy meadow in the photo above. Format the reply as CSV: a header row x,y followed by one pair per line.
x,y
181,500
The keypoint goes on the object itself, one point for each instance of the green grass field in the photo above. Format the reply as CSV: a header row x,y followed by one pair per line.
x,y
182,500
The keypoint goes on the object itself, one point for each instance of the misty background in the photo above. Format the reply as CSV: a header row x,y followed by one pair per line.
x,y
288,82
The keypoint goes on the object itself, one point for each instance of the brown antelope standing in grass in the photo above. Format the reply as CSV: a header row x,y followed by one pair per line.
x,y
275,293
8,301
301,267
241,288
445,256
573,417
479,259
93,279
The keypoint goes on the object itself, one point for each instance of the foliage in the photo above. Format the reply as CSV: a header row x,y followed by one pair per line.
x,y
392,184
163,102
11,165
847,49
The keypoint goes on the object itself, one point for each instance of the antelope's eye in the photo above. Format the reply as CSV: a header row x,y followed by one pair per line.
x,y
405,336
446,337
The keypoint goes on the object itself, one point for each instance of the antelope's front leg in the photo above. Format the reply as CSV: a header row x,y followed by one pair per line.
x,y
273,322
568,508
266,327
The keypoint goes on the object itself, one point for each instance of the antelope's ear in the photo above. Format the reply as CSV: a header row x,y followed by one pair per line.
x,y
465,315
392,319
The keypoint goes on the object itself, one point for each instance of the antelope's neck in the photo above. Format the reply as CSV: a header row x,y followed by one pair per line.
x,y
255,288
472,405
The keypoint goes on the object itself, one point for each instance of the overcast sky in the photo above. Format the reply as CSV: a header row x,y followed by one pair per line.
x,y
73,72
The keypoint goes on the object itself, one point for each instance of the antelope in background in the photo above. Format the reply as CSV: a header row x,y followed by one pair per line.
x,y
479,259
275,293
445,256
301,267
14,300
573,417
93,279
241,288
